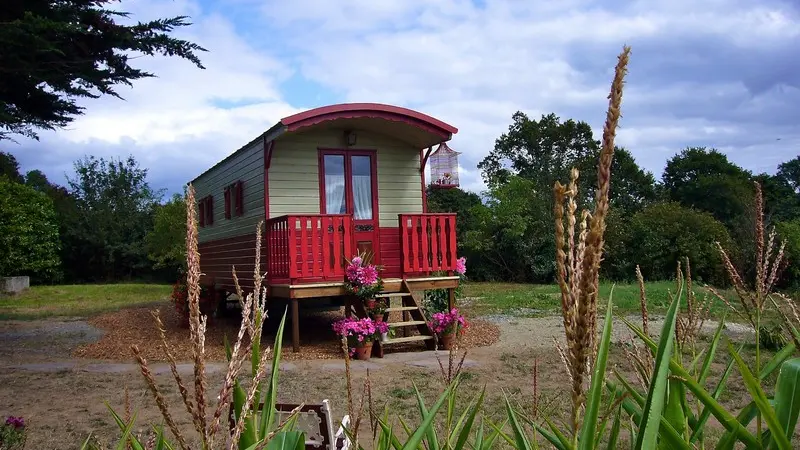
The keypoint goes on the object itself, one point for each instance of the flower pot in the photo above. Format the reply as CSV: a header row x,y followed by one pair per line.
x,y
378,317
384,337
364,351
447,340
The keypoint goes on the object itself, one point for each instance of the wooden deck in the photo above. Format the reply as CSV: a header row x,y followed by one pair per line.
x,y
294,293
335,289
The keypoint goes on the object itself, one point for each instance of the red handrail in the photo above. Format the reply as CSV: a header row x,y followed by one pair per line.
x,y
428,242
309,246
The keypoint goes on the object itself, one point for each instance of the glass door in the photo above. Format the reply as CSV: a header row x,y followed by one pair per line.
x,y
349,186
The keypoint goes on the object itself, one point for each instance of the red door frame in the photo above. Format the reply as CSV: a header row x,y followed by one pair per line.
x,y
374,234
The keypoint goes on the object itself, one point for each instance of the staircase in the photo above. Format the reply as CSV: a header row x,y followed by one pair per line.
x,y
407,306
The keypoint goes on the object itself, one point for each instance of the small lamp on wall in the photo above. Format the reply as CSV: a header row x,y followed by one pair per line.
x,y
350,138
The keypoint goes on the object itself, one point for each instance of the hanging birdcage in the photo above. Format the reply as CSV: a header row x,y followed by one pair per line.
x,y
444,167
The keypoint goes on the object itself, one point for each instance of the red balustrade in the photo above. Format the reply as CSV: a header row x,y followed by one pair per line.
x,y
428,243
312,246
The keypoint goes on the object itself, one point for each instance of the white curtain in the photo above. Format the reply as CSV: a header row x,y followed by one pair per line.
x,y
334,194
362,197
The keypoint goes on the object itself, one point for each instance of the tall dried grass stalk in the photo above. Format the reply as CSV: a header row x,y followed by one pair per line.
x,y
578,266
690,323
753,300
253,316
642,300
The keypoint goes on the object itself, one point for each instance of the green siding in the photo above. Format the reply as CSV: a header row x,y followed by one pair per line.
x,y
294,174
247,166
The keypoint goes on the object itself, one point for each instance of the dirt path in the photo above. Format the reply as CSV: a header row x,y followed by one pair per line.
x,y
63,397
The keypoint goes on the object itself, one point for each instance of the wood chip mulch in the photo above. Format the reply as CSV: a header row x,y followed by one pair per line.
x,y
136,326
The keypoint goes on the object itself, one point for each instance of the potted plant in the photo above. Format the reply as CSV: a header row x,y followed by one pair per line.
x,y
446,325
378,310
360,334
362,281
180,299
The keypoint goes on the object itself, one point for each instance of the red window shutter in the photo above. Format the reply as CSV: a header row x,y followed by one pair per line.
x,y
239,190
228,202
201,212
210,210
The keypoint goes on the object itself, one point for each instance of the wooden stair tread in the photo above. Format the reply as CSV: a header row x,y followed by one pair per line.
x,y
407,339
406,324
393,294
402,308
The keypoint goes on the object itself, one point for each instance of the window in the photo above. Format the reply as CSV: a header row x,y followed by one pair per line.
x,y
334,184
234,200
205,211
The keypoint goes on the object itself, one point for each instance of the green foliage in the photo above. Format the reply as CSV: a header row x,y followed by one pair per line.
x,y
115,207
665,233
789,171
58,52
789,232
28,233
9,167
511,236
166,241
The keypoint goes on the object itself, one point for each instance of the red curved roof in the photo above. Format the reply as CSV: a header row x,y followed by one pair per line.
x,y
368,110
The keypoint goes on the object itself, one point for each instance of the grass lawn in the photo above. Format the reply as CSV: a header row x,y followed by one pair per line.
x,y
545,299
79,300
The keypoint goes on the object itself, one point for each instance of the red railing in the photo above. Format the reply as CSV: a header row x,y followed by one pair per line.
x,y
310,246
428,242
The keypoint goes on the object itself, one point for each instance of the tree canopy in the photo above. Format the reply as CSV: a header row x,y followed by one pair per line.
x,y
56,52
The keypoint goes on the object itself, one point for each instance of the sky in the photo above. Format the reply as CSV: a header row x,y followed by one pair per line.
x,y
715,73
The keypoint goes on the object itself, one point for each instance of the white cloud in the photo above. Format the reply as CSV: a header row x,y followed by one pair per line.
x,y
712,73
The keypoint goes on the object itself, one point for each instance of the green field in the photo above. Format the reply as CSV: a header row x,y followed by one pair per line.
x,y
545,299
485,298
80,300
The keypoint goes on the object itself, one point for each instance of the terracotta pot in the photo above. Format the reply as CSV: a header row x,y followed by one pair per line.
x,y
378,317
364,351
446,341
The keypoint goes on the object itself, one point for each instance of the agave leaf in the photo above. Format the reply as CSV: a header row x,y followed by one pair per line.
x,y
614,436
594,396
785,353
725,418
248,436
712,350
433,441
761,401
126,431
787,394
521,441
427,422
666,431
654,404
227,345
499,430
478,444
284,440
635,395
388,436
488,443
269,413
700,425
466,429
675,407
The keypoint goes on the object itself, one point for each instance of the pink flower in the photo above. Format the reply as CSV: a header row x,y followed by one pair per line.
x,y
461,265
447,322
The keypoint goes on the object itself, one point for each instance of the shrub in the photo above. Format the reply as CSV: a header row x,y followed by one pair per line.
x,y
665,233
29,242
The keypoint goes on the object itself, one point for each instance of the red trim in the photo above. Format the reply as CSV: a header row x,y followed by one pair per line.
x,y
268,147
422,159
369,110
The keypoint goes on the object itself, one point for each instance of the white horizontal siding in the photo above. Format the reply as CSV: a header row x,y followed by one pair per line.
x,y
248,167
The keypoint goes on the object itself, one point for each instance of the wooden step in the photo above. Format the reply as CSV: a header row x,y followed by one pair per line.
x,y
393,295
402,308
407,339
406,324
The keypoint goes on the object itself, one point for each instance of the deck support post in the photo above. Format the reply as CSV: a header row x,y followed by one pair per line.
x,y
451,298
295,326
